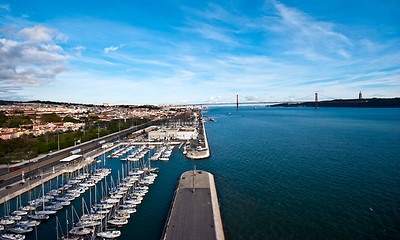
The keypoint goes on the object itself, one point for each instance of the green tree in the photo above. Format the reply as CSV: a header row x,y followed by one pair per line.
x,y
50,118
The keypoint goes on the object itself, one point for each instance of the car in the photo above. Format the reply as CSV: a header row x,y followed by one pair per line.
x,y
14,169
21,183
9,186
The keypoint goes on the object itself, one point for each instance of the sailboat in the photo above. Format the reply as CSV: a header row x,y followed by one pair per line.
x,y
44,211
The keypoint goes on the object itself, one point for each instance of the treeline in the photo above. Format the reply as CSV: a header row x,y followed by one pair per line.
x,y
29,146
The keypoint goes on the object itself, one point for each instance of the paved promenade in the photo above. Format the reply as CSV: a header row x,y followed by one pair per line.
x,y
194,213
196,154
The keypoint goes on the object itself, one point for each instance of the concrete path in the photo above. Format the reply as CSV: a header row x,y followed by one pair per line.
x,y
194,213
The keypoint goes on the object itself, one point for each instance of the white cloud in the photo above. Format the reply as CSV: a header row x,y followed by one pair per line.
x,y
32,62
112,48
37,34
79,50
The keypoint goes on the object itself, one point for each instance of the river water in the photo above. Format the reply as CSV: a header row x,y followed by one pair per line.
x,y
287,173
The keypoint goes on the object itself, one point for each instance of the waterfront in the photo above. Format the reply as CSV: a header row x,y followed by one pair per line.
x,y
293,173
287,173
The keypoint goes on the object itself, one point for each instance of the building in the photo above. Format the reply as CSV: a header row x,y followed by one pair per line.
x,y
173,134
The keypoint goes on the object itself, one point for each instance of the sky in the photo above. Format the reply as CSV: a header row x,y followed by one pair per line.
x,y
183,52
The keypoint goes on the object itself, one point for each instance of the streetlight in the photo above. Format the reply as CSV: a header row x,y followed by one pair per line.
x,y
58,137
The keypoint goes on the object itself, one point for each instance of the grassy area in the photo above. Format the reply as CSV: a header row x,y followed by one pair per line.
x,y
28,146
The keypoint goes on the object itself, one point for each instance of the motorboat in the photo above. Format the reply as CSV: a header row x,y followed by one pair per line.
x,y
127,206
110,234
19,213
14,218
6,221
11,236
112,200
88,223
39,216
21,229
64,202
46,212
29,223
119,222
94,217
81,231
102,211
103,206
133,201
127,211
122,216
54,207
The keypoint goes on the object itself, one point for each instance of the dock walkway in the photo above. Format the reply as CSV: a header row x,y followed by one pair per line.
x,y
204,152
194,213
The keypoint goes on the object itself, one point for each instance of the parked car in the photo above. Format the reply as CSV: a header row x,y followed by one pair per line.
x,y
9,186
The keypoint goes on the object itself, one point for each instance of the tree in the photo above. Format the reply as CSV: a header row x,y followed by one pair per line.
x,y
70,119
50,118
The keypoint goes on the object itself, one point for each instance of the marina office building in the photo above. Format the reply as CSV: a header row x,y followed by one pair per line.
x,y
174,134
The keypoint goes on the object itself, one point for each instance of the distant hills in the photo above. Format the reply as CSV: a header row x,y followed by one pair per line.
x,y
359,103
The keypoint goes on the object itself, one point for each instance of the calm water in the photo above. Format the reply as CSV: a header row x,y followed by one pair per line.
x,y
288,173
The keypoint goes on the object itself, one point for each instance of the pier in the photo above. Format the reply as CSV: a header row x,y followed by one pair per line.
x,y
199,148
194,212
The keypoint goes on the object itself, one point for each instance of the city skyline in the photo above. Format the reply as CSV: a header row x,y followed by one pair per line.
x,y
177,52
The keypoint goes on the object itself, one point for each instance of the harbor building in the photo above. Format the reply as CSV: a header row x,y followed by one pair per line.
x,y
174,134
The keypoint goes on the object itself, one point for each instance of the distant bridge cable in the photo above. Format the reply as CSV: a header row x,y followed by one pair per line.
x,y
326,97
309,97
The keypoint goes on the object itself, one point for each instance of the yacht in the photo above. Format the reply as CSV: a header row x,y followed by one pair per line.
x,y
11,236
110,234
21,229
119,222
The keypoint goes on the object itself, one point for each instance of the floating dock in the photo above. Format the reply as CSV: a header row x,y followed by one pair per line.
x,y
194,212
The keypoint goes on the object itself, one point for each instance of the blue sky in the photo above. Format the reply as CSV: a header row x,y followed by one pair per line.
x,y
176,52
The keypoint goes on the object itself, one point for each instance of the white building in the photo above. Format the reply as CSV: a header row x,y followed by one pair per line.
x,y
173,134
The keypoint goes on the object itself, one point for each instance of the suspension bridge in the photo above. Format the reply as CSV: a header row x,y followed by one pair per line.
x,y
310,98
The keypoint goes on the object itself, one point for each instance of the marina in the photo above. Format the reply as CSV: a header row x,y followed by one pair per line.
x,y
61,192
62,189
108,206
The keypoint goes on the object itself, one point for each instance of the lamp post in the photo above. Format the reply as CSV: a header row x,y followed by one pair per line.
x,y
58,137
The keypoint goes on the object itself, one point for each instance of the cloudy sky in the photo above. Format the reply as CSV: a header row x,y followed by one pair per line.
x,y
174,52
